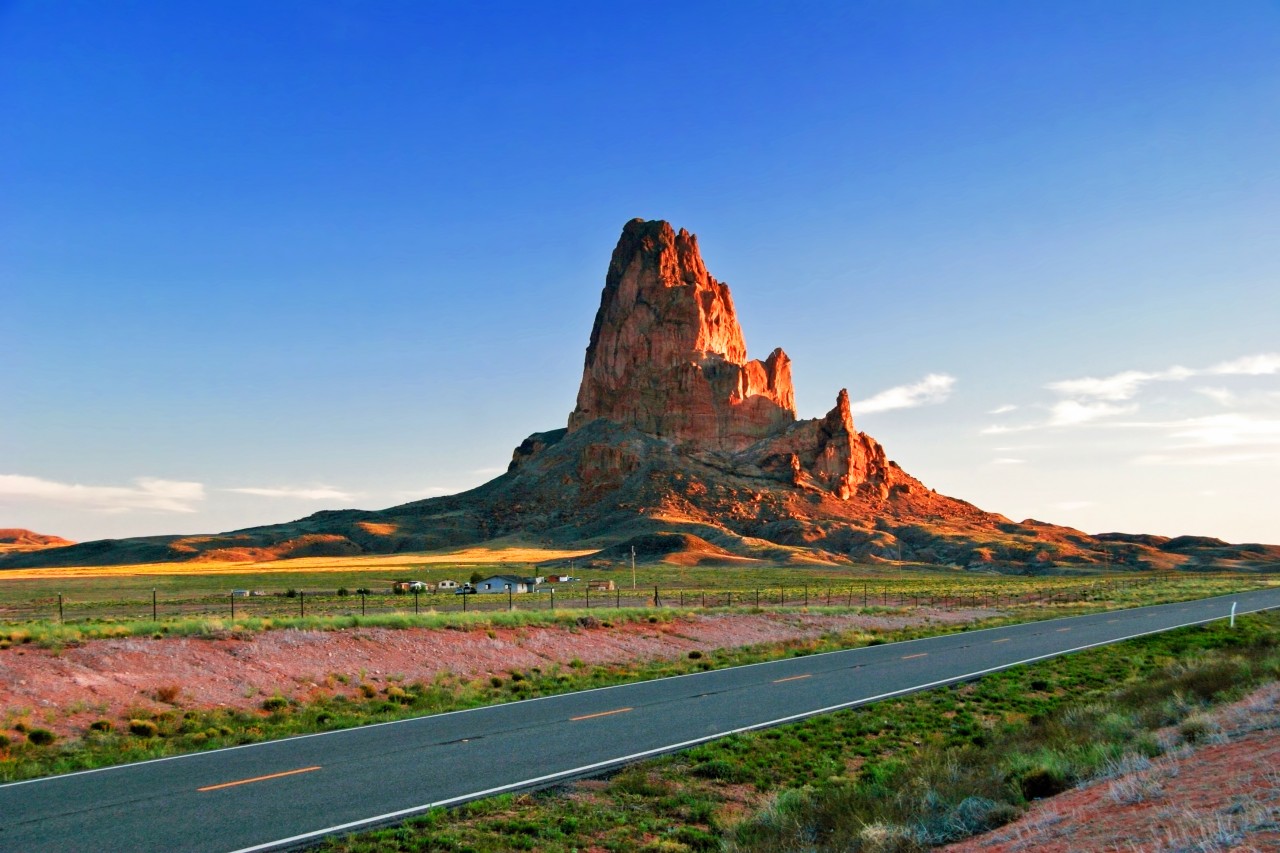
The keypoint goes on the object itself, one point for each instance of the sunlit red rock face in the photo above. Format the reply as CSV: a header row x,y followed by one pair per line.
x,y
667,356
829,454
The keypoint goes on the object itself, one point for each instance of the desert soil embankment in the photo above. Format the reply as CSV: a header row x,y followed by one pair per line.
x,y
65,690
1224,795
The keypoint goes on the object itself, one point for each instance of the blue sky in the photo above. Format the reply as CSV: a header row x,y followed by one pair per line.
x,y
260,259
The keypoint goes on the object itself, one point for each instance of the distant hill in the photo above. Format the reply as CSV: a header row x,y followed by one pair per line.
x,y
683,447
17,539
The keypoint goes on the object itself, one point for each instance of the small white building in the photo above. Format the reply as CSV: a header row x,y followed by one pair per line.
x,y
447,585
503,583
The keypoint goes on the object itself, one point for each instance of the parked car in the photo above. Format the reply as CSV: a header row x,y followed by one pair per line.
x,y
465,589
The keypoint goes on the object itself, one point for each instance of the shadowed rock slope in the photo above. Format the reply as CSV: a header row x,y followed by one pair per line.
x,y
682,446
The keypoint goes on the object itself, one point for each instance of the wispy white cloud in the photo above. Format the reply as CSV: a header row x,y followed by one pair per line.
x,y
1221,396
1120,386
1093,400
1007,460
1125,385
1231,430
1001,410
1226,439
303,493
1075,412
1002,429
934,388
1199,457
146,493
1263,364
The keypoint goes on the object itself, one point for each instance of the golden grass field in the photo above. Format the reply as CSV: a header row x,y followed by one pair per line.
x,y
463,556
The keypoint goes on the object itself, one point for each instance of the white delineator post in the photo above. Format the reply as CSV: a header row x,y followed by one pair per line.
x,y
1233,614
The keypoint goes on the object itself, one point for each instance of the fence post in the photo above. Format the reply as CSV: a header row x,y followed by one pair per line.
x,y
233,605
464,601
553,599
153,604
60,607
510,600
728,598
704,597
757,596
362,608
806,595
657,602
864,594
782,596
617,598
588,591
415,602
302,602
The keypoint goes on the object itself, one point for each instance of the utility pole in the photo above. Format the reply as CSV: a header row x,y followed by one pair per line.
x,y
633,566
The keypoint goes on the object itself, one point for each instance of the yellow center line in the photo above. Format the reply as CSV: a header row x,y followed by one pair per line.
x,y
921,655
258,778
1003,640
601,714
792,678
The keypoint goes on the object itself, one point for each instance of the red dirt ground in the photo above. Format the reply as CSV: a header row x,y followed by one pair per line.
x,y
66,690
1221,796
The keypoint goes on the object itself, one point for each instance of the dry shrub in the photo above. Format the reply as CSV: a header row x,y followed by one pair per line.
x,y
143,728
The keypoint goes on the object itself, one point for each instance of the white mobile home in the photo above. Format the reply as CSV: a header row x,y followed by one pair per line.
x,y
503,583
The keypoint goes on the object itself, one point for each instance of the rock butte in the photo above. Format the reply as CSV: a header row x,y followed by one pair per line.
x,y
667,358
682,447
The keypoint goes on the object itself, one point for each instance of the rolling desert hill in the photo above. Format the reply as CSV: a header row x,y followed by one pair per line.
x,y
683,447
13,539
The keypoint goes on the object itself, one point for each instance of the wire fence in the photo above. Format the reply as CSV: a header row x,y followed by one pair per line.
x,y
245,604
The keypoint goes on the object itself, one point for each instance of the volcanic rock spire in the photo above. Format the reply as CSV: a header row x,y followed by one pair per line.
x,y
667,356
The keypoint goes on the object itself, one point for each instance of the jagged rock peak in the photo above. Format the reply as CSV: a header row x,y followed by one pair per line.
x,y
667,356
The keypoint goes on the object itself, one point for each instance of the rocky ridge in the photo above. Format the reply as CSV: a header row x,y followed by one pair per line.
x,y
677,434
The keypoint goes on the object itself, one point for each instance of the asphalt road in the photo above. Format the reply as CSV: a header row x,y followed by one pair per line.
x,y
284,793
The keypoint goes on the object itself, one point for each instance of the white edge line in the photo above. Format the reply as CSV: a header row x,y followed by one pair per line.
x,y
675,747
267,743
